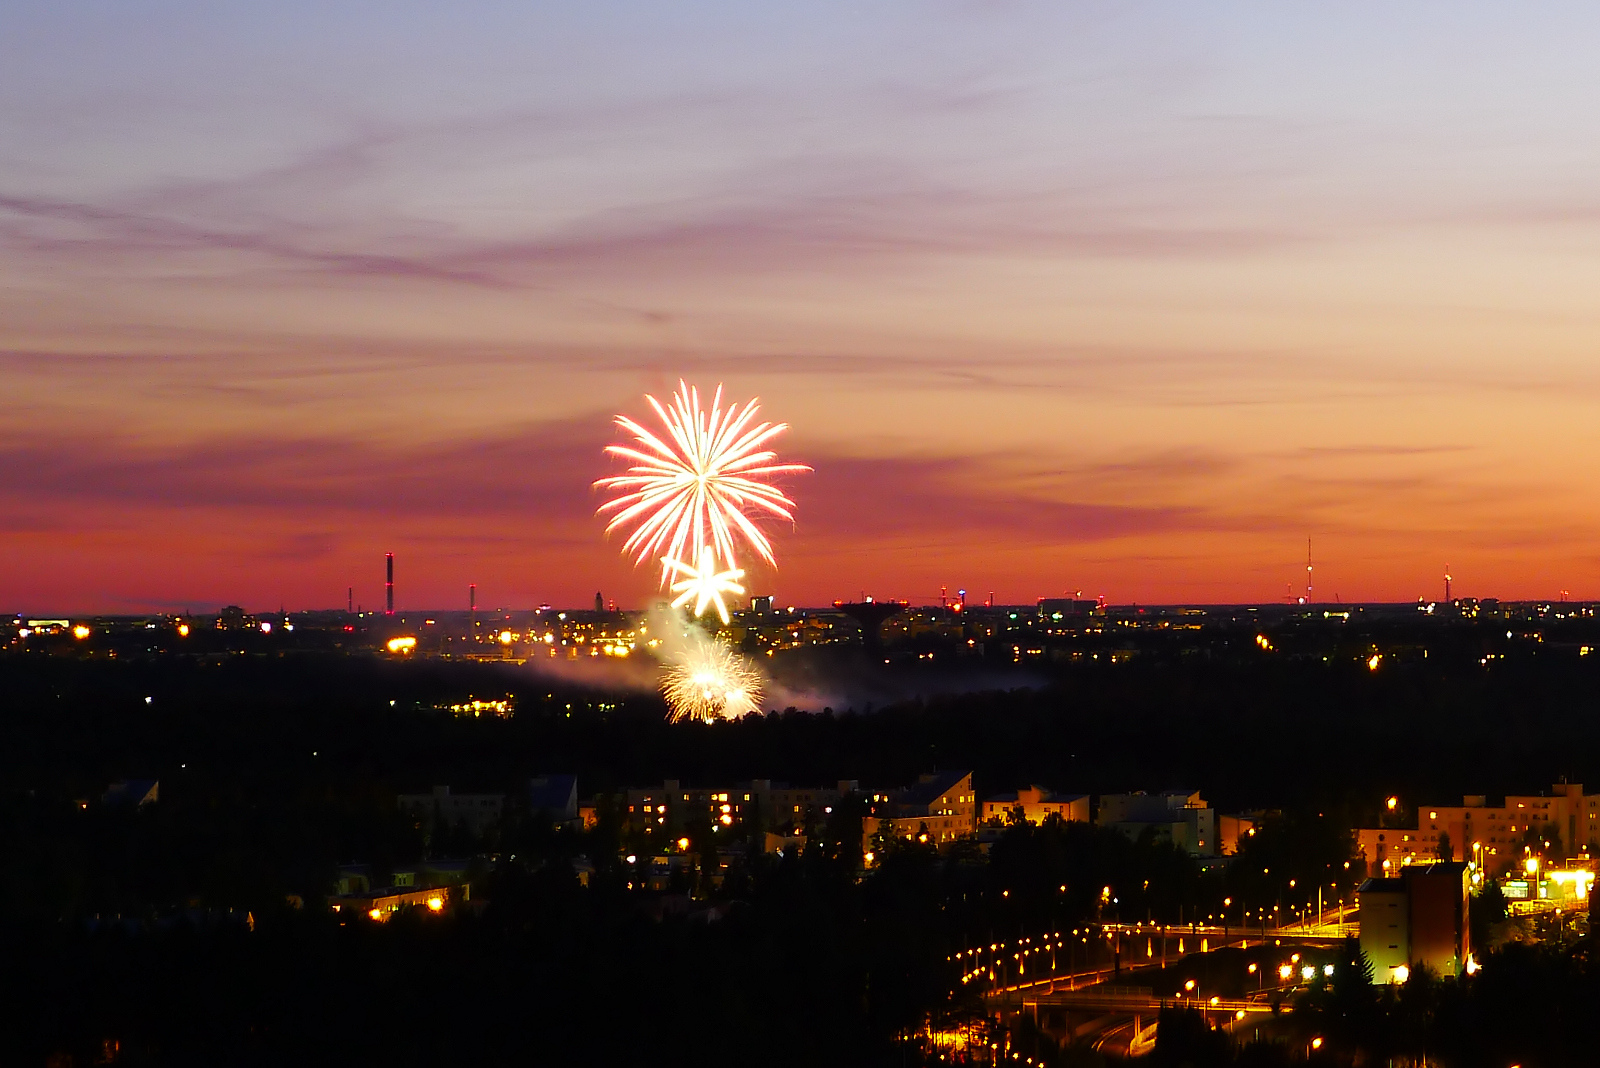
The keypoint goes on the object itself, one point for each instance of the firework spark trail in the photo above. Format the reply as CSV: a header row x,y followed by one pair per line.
x,y
691,488
707,680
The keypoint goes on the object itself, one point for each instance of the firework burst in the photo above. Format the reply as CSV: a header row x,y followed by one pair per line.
x,y
710,681
704,584
696,485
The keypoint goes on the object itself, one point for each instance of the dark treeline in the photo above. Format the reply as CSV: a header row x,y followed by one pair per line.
x,y
810,969
1272,734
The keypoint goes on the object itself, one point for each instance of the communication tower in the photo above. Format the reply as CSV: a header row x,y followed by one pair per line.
x,y
1308,571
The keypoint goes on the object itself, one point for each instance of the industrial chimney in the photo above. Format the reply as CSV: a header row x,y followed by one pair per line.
x,y
388,584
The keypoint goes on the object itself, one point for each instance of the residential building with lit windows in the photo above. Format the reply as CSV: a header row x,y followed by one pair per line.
x,y
1035,803
941,806
1489,835
758,803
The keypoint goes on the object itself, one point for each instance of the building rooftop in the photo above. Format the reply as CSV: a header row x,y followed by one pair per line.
x,y
930,787
553,792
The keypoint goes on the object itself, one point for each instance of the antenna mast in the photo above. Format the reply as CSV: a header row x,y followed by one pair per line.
x,y
1308,571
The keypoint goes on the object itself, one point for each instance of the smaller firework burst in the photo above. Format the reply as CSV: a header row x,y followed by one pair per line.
x,y
704,585
710,681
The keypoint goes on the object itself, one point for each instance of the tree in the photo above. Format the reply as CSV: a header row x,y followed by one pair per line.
x,y
1446,849
1485,908
1184,1038
1352,972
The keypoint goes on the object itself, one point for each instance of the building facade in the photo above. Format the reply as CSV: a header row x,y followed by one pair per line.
x,y
939,809
1178,816
1416,918
1489,835
1035,803
759,804
478,812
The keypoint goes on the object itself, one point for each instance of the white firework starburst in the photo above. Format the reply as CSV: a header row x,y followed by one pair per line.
x,y
704,584
697,484
710,681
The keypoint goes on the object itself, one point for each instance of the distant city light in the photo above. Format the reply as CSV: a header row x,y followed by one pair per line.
x,y
400,646
80,632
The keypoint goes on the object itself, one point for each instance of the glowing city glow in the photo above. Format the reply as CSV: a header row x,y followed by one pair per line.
x,y
710,681
704,585
692,487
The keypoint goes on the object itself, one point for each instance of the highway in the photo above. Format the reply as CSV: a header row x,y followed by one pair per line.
x,y
1088,956
1092,974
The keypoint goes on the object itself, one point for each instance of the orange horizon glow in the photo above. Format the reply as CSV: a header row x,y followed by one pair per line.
x,y
1055,300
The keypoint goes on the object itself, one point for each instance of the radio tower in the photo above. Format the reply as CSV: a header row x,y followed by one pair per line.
x,y
1446,583
1308,571
388,584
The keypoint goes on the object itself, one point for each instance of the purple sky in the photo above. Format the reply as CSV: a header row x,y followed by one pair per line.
x,y
1123,298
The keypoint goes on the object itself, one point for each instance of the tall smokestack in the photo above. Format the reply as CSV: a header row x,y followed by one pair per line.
x,y
388,584
349,599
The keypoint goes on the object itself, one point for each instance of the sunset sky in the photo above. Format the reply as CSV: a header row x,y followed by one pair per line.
x,y
1122,298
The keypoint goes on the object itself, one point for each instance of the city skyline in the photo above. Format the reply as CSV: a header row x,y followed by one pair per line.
x,y
1129,302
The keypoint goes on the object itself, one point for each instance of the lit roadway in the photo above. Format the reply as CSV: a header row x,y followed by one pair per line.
x,y
1079,971
1007,965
